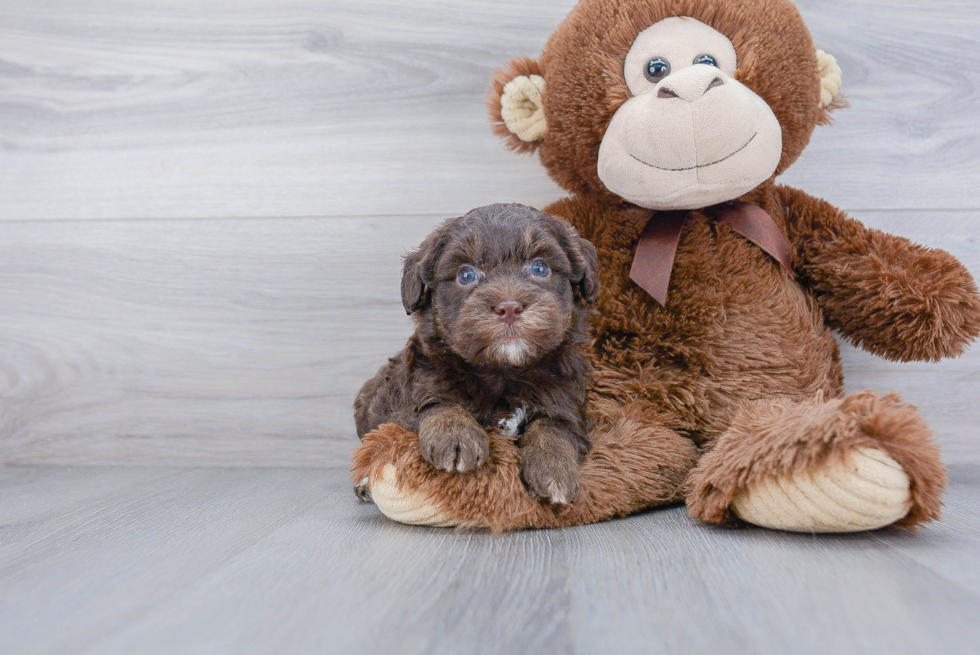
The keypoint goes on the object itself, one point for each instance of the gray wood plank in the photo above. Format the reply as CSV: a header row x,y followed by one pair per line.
x,y
275,560
756,591
257,108
348,580
244,342
289,108
901,137
34,503
950,547
97,568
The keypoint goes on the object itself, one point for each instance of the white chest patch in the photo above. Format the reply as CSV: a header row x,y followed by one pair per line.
x,y
511,426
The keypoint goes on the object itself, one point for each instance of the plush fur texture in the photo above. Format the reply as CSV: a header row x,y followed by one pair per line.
x,y
741,362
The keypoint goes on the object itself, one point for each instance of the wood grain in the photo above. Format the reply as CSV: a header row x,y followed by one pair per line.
x,y
287,561
240,341
244,342
949,547
92,567
262,108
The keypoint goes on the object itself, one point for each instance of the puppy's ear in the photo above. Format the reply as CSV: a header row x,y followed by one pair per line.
x,y
413,287
585,270
419,269
582,258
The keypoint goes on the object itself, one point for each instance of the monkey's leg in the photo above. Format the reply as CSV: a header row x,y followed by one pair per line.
x,y
633,464
844,465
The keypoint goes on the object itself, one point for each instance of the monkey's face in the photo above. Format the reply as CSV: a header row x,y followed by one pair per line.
x,y
668,104
691,135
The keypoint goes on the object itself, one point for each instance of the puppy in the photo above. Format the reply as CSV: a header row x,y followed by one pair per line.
x,y
500,302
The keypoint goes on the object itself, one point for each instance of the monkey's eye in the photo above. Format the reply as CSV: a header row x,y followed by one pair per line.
x,y
466,275
539,269
706,59
657,69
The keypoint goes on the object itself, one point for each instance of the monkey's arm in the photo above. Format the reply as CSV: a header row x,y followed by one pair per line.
x,y
893,298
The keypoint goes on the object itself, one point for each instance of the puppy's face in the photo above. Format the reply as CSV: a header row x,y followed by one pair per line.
x,y
502,286
502,295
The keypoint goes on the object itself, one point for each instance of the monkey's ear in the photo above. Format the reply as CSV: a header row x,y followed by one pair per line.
x,y
586,269
830,85
516,102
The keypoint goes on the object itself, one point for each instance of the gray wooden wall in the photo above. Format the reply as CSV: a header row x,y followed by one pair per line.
x,y
203,205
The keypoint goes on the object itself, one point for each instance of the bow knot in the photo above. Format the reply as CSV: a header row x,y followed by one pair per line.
x,y
654,258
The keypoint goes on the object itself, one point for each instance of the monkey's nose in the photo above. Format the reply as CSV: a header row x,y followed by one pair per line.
x,y
689,87
508,311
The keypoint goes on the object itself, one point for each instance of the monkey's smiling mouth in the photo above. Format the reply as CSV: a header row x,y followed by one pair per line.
x,y
691,168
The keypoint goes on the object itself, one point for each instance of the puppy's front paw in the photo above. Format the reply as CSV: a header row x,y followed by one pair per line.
x,y
453,441
550,476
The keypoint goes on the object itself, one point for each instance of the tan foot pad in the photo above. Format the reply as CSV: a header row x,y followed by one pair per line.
x,y
406,507
869,490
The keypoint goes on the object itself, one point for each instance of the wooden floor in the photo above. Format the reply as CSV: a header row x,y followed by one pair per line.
x,y
202,210
221,560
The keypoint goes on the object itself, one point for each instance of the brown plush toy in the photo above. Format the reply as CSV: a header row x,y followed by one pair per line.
x,y
717,380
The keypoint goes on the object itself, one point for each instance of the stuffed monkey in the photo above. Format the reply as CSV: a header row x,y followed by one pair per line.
x,y
717,379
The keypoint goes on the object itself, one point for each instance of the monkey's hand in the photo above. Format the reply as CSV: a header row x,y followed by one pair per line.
x,y
894,298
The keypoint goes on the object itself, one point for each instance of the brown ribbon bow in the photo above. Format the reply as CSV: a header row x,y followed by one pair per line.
x,y
655,252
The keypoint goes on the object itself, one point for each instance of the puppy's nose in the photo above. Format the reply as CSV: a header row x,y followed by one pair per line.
x,y
509,311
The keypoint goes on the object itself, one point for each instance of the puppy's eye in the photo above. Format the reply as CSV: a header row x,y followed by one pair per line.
x,y
706,59
657,69
466,275
540,269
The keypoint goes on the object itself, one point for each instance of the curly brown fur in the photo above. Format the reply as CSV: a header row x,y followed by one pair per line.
x,y
747,330
470,364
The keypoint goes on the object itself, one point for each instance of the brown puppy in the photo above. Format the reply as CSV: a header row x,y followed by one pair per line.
x,y
500,300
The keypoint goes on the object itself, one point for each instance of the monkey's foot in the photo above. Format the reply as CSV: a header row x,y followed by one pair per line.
x,y
867,490
842,465
406,505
